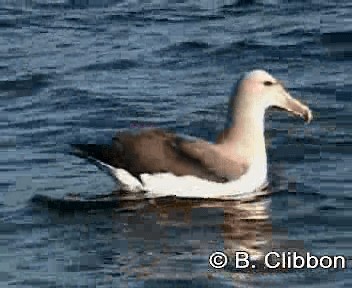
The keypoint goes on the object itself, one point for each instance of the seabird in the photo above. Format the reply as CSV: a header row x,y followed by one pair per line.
x,y
161,163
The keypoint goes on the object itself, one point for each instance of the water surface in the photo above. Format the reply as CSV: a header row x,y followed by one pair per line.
x,y
77,71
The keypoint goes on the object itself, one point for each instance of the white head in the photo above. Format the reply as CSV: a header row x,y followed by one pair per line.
x,y
258,90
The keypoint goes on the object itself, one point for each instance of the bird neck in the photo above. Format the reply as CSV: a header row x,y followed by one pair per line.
x,y
246,133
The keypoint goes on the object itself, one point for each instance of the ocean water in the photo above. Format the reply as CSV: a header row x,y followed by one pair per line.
x,y
76,71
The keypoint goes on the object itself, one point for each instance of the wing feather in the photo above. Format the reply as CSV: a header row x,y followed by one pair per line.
x,y
211,158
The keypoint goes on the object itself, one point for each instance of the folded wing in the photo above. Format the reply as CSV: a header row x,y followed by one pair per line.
x,y
157,151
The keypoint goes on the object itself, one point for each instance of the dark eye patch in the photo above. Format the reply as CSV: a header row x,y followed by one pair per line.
x,y
268,83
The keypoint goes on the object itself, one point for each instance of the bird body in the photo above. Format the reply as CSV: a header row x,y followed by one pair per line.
x,y
162,163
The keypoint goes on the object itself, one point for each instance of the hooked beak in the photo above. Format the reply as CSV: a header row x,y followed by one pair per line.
x,y
295,107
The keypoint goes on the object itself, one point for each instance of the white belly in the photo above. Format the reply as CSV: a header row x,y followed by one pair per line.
x,y
167,184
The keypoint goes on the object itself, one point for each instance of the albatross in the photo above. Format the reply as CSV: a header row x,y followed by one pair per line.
x,y
161,163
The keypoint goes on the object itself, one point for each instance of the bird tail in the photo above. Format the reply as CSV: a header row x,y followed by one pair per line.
x,y
103,153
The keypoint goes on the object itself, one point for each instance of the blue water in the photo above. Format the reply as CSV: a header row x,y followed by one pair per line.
x,y
75,71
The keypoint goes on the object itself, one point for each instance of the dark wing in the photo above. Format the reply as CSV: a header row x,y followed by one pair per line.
x,y
157,151
222,136
211,159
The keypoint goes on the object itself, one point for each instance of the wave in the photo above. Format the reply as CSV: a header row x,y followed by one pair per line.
x,y
25,85
339,44
337,37
73,202
186,46
121,64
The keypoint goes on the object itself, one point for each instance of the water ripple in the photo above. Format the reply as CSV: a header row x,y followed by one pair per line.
x,y
25,85
120,64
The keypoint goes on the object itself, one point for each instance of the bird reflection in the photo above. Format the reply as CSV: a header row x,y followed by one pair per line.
x,y
171,237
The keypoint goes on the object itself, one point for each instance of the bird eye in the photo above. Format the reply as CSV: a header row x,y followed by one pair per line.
x,y
268,83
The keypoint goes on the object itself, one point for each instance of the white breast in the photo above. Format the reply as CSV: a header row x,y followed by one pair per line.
x,y
167,184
